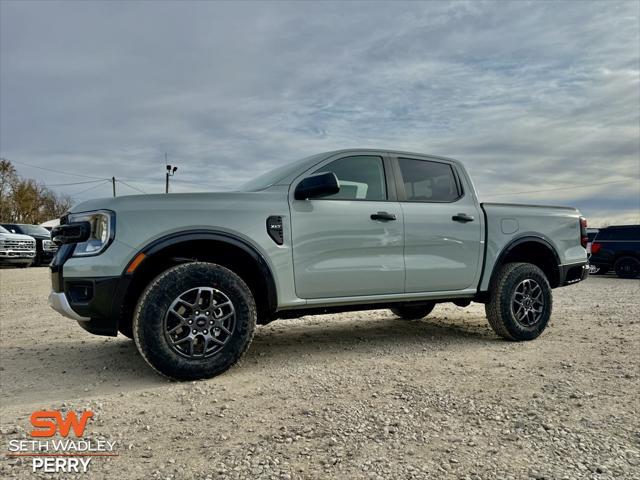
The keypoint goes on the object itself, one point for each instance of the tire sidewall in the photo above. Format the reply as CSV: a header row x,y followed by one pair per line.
x,y
148,323
413,312
512,280
621,262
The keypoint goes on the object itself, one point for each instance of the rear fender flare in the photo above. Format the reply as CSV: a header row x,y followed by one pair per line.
x,y
524,238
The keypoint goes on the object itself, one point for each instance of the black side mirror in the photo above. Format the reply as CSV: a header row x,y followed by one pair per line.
x,y
317,186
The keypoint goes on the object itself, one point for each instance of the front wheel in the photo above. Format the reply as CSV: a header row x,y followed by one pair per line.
x,y
627,267
194,321
521,301
413,312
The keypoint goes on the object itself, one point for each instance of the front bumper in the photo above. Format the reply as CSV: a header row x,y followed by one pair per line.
x,y
94,302
17,255
58,301
20,259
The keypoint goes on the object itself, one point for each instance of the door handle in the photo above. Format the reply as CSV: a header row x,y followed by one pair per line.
x,y
385,216
462,217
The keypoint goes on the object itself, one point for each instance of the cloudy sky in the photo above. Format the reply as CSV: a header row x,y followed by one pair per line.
x,y
541,97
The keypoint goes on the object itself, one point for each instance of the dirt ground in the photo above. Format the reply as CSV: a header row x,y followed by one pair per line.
x,y
357,395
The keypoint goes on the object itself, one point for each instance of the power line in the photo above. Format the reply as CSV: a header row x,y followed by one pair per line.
x,y
131,186
55,171
97,180
568,187
90,188
73,183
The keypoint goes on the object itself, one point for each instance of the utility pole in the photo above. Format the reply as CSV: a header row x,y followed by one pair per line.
x,y
113,183
171,171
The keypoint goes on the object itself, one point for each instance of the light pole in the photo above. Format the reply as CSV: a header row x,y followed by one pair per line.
x,y
171,171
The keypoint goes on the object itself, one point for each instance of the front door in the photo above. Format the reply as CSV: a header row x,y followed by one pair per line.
x,y
349,243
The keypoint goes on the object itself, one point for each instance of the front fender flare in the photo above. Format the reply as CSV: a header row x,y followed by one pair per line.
x,y
161,243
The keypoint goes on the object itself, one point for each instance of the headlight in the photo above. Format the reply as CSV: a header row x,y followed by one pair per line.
x,y
102,225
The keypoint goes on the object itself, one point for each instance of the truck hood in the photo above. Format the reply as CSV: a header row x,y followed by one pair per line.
x,y
16,236
174,201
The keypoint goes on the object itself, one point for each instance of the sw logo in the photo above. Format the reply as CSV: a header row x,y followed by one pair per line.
x,y
61,454
48,422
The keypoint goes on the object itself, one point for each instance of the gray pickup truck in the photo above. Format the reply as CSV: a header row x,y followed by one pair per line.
x,y
188,276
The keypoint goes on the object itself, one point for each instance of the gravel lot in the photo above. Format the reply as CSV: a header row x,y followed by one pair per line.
x,y
357,395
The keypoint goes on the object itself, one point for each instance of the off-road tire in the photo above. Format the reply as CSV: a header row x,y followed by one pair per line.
x,y
148,320
413,312
627,267
499,308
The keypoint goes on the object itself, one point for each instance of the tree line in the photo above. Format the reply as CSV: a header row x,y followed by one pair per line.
x,y
23,200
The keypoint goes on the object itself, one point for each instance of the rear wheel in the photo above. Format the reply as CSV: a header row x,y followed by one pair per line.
x,y
194,321
413,312
521,301
627,267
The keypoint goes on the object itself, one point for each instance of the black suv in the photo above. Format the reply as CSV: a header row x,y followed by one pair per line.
x,y
45,248
617,248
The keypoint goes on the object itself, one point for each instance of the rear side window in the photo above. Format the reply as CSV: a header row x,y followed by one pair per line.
x,y
426,181
612,233
360,177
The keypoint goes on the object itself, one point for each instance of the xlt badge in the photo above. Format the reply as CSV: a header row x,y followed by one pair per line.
x,y
274,229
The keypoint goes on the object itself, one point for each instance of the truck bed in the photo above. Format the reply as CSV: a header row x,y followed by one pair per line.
x,y
506,222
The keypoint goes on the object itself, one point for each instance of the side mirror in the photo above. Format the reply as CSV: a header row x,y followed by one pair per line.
x,y
317,186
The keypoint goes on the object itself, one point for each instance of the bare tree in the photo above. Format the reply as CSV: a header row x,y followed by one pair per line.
x,y
23,200
8,177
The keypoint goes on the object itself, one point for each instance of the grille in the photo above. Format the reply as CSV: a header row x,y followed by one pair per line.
x,y
19,244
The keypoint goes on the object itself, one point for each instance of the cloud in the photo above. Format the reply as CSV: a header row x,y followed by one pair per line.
x,y
531,96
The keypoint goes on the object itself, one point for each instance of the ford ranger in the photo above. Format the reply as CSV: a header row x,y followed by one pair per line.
x,y
188,276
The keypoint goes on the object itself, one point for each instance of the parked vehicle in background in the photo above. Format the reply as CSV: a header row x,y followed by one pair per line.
x,y
591,235
45,248
188,276
618,248
50,224
16,249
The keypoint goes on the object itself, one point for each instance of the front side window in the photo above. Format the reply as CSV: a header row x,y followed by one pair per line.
x,y
360,177
426,181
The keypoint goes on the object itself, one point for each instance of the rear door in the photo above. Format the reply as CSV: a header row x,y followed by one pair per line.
x,y
442,225
350,243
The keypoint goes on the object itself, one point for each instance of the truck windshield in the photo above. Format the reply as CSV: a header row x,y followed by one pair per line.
x,y
34,230
3,230
272,177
